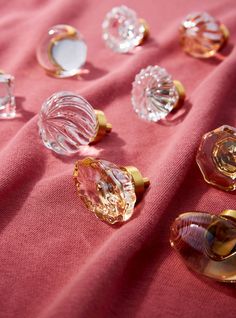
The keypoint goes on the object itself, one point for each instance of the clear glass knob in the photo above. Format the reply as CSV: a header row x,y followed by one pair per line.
x,y
7,99
201,35
207,243
107,190
62,51
155,94
67,121
122,30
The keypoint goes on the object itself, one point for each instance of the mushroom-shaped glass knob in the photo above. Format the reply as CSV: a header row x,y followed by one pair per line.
x,y
155,94
67,121
62,51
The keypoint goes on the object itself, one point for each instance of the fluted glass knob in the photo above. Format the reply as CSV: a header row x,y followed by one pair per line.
x,y
62,51
155,94
67,121
7,98
122,30
201,35
207,243
107,190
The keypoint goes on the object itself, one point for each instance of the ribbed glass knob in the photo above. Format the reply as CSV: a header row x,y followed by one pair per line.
x,y
7,98
155,94
201,35
62,51
67,121
122,30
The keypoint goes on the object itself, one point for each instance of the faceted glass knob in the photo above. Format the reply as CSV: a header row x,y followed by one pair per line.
x,y
216,157
122,30
108,190
155,94
7,99
201,35
207,243
62,51
67,121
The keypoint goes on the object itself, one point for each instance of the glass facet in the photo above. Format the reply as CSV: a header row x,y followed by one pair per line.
x,y
122,30
216,157
62,52
67,121
201,35
7,99
206,243
105,189
154,94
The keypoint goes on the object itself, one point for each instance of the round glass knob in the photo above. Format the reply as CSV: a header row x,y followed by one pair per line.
x,y
201,35
107,190
62,51
67,121
122,30
155,94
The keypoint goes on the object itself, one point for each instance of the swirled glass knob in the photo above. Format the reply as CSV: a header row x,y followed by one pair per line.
x,y
67,121
216,157
201,35
122,30
7,98
155,94
207,243
107,190
62,51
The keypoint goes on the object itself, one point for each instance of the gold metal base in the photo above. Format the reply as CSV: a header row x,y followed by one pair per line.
x,y
146,30
229,214
181,91
225,32
140,183
103,126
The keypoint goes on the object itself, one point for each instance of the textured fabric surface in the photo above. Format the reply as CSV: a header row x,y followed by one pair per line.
x,y
56,259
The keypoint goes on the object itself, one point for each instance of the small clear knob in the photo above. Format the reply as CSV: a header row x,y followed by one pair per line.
x,y
122,30
155,94
7,99
67,121
62,51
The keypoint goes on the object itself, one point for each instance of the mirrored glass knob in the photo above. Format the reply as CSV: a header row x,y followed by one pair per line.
x,y
67,121
62,51
201,35
122,30
7,99
216,157
107,190
155,94
207,243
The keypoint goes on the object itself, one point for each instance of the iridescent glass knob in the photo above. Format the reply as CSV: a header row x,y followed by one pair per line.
x,y
123,30
207,243
7,98
62,51
67,121
216,157
201,35
107,190
155,94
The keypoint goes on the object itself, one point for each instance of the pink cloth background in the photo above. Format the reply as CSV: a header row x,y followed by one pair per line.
x,y
56,259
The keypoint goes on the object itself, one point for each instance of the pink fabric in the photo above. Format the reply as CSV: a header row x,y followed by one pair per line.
x,y
56,259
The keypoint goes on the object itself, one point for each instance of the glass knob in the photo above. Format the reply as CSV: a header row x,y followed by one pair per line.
x,y
155,94
62,51
7,98
67,121
207,243
122,30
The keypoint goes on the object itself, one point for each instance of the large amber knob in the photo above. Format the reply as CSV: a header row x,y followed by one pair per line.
x,y
216,157
207,243
201,35
107,190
